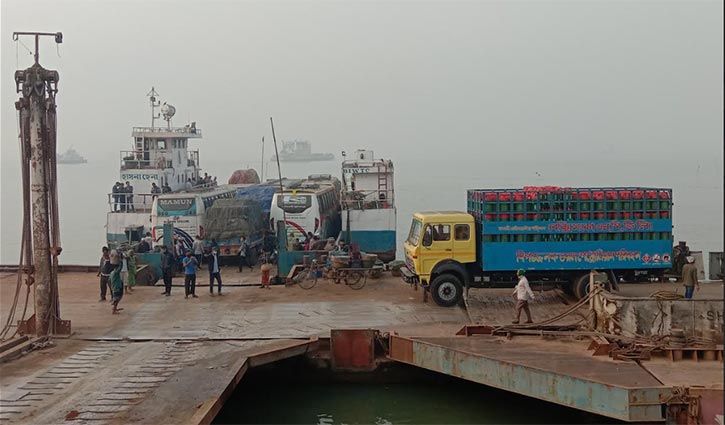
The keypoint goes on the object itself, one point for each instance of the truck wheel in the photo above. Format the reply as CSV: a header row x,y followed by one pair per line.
x,y
446,290
581,286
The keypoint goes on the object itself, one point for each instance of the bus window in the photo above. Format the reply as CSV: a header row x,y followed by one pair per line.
x,y
175,206
294,204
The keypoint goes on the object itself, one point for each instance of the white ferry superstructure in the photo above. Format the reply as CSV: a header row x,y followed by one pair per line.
x,y
159,155
368,204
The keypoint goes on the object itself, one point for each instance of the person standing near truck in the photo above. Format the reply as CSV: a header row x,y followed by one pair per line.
x,y
522,294
689,277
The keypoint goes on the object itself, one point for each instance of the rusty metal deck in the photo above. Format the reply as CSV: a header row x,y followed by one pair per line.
x,y
566,374
150,382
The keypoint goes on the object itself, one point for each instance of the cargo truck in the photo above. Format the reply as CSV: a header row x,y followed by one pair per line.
x,y
247,213
558,235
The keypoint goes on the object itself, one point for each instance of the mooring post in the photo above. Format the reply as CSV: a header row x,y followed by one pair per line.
x,y
39,202
38,86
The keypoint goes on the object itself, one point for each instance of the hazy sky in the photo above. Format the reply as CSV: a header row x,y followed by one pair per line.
x,y
537,80
493,90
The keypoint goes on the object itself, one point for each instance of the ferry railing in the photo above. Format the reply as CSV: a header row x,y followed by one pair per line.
x,y
141,159
189,130
367,199
131,202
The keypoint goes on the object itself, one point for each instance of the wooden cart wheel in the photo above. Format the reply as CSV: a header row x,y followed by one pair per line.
x,y
355,280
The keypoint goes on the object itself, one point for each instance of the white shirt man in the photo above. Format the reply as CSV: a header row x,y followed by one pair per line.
x,y
523,294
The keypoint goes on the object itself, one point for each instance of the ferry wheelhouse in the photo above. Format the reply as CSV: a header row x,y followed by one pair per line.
x,y
368,204
159,155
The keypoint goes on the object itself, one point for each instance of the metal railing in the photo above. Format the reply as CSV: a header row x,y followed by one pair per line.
x,y
367,199
188,130
143,159
131,202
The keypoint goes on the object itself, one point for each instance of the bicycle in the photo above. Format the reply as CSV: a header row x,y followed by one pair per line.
x,y
355,278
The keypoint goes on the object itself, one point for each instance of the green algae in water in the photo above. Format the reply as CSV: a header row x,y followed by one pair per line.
x,y
453,402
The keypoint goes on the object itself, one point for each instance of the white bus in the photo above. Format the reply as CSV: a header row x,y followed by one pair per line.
x,y
313,205
186,211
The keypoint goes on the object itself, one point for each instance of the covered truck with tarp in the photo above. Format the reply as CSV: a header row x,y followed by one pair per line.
x,y
247,214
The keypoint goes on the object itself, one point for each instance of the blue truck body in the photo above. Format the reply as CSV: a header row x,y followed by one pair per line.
x,y
628,248
555,229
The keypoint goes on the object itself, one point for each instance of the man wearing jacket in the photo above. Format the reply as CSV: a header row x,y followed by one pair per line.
x,y
212,262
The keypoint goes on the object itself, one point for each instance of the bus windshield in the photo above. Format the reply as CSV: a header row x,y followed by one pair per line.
x,y
414,234
294,204
175,206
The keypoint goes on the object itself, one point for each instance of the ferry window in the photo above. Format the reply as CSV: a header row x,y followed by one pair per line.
x,y
161,144
463,232
441,232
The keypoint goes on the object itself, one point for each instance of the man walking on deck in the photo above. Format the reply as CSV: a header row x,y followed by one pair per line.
x,y
689,277
189,262
522,294
212,262
244,254
104,271
198,247
116,289
167,265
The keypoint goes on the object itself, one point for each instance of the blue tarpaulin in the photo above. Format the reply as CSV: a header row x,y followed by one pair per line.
x,y
261,194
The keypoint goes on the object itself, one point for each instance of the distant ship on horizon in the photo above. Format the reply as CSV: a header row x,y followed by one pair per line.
x,y
70,156
300,151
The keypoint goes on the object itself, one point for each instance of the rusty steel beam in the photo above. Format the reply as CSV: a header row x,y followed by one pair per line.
x,y
591,394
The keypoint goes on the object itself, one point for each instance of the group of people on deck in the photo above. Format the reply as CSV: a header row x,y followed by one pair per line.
x,y
122,197
117,271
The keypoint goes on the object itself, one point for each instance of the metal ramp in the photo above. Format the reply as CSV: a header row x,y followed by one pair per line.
x,y
565,375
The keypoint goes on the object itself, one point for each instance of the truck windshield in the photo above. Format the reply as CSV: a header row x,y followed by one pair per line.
x,y
414,235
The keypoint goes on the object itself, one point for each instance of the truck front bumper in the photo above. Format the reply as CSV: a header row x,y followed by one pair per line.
x,y
408,276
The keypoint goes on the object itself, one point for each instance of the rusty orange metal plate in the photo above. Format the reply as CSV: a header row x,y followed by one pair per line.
x,y
352,349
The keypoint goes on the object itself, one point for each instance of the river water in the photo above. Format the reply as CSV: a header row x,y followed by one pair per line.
x,y
426,183
420,397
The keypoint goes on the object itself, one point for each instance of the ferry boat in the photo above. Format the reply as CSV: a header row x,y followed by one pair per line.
x,y
300,151
70,156
368,204
159,155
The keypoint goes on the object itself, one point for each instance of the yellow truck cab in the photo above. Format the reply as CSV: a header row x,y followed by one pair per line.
x,y
439,248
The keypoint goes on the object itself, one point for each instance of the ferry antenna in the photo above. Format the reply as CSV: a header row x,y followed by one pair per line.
x,y
154,103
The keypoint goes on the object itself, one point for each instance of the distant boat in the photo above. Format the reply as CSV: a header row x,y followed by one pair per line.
x,y
300,151
71,156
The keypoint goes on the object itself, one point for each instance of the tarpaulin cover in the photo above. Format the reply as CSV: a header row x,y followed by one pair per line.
x,y
232,218
262,194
